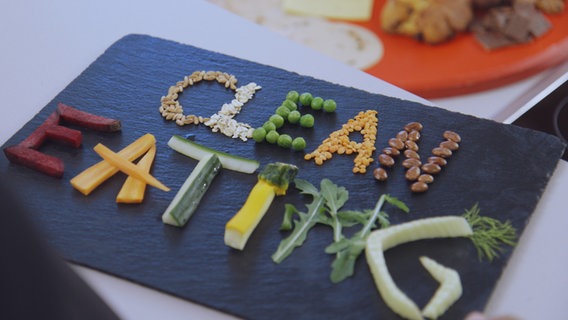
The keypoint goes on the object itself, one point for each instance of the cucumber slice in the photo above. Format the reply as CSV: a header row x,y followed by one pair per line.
x,y
450,289
384,239
189,195
196,151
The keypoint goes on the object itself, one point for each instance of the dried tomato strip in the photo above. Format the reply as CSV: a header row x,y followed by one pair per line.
x,y
87,120
37,138
35,160
67,136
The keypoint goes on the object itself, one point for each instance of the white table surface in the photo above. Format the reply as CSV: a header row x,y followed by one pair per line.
x,y
46,44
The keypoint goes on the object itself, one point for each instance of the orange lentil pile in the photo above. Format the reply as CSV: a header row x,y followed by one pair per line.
x,y
338,142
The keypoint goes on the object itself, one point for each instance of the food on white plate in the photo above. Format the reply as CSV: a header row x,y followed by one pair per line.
x,y
356,10
350,44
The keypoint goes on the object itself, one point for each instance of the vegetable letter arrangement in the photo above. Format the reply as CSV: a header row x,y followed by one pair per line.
x,y
295,223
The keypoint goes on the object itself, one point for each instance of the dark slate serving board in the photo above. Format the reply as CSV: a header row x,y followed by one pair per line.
x,y
502,167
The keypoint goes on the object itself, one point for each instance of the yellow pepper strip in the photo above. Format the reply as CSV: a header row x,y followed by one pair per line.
x,y
241,225
88,180
128,167
273,181
133,189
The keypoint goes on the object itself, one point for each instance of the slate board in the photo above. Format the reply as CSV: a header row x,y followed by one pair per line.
x,y
502,167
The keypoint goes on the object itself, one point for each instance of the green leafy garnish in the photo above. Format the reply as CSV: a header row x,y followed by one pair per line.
x,y
489,234
348,250
306,220
325,209
335,197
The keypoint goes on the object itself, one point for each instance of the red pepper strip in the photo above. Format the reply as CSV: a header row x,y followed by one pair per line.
x,y
37,138
35,160
87,120
68,136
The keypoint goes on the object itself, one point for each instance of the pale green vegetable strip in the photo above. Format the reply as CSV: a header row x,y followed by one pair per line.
x,y
384,239
198,151
450,289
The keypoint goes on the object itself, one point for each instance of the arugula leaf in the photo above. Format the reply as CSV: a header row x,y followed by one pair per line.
x,y
396,203
335,197
347,251
306,220
330,199
325,209
344,264
349,218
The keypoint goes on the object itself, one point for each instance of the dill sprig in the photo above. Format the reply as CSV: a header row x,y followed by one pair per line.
x,y
489,235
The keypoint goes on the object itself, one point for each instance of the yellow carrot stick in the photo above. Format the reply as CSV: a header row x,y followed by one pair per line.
x,y
133,189
128,167
88,180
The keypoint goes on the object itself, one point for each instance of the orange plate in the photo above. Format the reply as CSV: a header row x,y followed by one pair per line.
x,y
462,65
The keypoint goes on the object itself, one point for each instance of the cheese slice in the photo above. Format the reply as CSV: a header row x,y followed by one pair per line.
x,y
356,10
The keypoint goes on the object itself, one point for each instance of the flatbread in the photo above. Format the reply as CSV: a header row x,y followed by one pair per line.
x,y
348,43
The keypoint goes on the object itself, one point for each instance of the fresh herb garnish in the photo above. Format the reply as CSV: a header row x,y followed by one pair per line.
x,y
335,197
325,209
306,220
489,234
348,250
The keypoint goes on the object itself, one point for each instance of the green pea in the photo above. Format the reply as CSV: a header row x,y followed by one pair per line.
x,y
293,96
307,121
258,134
269,126
290,104
285,141
283,111
317,103
272,136
277,119
294,116
298,144
329,105
306,99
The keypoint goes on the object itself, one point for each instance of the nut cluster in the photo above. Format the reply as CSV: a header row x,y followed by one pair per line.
x,y
435,162
419,173
406,142
339,142
170,107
